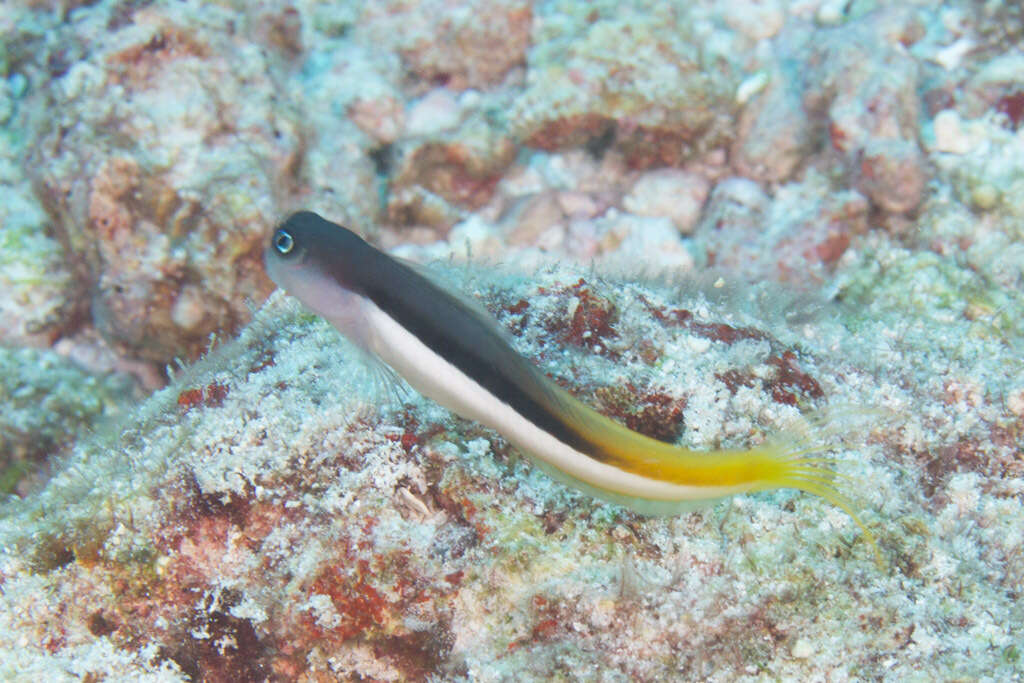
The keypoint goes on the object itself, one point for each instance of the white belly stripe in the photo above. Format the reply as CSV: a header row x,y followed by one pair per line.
x,y
434,377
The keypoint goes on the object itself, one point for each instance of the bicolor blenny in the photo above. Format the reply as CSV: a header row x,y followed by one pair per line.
x,y
450,351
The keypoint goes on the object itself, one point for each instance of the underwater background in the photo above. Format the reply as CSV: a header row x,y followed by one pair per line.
x,y
709,220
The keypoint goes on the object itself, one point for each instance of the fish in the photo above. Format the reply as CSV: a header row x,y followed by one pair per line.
x,y
450,350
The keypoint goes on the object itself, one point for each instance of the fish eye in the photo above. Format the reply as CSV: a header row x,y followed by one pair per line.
x,y
283,242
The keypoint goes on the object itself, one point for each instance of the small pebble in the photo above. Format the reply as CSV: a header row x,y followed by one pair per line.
x,y
433,113
831,12
756,19
949,133
1015,402
751,86
950,57
802,648
985,197
188,310
677,195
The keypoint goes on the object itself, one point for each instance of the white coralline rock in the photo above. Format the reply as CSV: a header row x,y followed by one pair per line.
x,y
950,135
677,195
756,19
950,56
1015,402
751,86
435,112
830,12
803,648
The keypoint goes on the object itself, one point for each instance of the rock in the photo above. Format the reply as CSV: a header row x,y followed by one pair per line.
x,y
381,118
866,84
49,402
798,236
533,217
755,19
182,196
893,174
949,133
675,194
434,113
459,45
774,133
460,168
658,98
